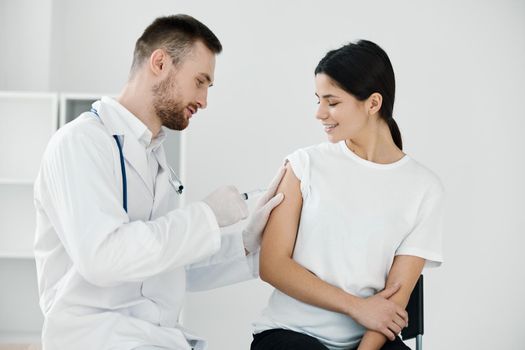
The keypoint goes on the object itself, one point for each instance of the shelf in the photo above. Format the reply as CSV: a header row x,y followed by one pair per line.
x,y
19,338
21,318
17,220
27,122
72,105
17,255
21,182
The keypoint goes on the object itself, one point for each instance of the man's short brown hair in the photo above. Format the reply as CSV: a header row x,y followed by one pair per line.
x,y
176,34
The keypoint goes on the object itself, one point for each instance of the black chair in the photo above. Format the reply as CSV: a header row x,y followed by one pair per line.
x,y
414,308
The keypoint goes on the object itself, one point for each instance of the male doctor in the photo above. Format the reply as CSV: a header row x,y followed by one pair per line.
x,y
114,258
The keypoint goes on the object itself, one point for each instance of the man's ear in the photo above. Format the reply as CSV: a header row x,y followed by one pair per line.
x,y
373,103
157,61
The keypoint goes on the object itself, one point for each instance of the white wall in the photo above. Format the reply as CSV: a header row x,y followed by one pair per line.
x,y
25,34
3,43
460,73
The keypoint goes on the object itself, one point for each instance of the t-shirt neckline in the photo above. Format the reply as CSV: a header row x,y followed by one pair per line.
x,y
368,163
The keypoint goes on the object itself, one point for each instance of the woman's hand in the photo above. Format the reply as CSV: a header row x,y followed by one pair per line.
x,y
379,314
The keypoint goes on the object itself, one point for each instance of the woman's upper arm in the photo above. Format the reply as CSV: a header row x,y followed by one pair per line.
x,y
281,230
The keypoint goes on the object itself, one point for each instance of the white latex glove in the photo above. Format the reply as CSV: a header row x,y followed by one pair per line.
x,y
252,233
227,205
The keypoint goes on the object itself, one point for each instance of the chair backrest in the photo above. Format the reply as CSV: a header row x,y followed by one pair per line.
x,y
415,312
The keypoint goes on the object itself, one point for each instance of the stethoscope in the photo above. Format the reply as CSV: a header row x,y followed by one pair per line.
x,y
172,176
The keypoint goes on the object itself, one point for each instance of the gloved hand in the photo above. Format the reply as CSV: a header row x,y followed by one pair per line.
x,y
227,205
252,233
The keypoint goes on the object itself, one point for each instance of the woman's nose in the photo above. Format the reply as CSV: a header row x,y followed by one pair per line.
x,y
321,113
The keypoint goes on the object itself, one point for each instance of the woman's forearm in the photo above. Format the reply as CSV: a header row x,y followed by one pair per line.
x,y
372,341
296,281
405,271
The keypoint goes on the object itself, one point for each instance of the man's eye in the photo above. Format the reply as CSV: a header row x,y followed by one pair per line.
x,y
199,82
333,104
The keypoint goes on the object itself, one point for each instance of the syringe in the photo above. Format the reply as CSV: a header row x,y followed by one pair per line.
x,y
250,194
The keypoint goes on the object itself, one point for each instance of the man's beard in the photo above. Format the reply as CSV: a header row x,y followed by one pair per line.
x,y
170,112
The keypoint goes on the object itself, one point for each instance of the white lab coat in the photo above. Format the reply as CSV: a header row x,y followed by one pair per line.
x,y
115,280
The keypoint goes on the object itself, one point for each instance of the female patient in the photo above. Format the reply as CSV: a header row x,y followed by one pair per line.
x,y
359,220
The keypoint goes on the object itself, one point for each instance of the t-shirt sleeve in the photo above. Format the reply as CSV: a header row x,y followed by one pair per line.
x,y
425,238
300,163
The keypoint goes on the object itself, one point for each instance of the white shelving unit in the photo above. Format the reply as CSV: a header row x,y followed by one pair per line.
x,y
17,220
20,318
72,105
27,121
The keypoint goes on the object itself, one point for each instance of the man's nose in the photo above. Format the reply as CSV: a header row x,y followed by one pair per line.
x,y
202,99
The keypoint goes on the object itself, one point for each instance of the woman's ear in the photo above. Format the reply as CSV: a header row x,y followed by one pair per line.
x,y
373,103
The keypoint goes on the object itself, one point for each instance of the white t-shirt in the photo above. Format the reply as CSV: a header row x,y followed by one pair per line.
x,y
356,217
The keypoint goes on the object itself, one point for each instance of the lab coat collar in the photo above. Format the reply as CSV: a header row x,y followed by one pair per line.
x,y
161,157
137,127
162,184
133,135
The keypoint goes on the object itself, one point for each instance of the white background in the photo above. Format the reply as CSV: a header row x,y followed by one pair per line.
x,y
460,90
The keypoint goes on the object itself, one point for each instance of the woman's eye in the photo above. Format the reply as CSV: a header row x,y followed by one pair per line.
x,y
333,104
199,82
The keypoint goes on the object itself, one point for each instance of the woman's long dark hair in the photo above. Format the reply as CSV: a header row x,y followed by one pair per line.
x,y
362,69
